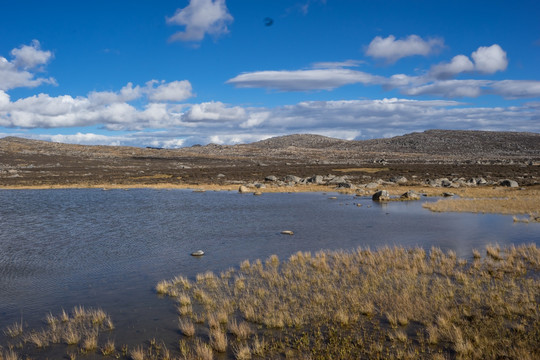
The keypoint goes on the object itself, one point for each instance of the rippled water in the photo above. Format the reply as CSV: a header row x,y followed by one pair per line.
x,y
61,248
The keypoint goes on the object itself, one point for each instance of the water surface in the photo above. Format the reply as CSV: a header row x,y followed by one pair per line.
x,y
61,248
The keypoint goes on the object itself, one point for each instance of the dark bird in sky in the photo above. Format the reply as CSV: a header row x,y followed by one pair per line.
x,y
268,21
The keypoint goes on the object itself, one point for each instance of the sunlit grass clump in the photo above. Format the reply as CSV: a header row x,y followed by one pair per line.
x,y
79,327
390,303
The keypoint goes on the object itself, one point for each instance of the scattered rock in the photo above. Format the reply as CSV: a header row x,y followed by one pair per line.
x,y
243,189
287,232
372,185
448,194
381,195
292,179
445,182
220,176
316,179
509,183
410,195
271,178
197,253
257,193
399,179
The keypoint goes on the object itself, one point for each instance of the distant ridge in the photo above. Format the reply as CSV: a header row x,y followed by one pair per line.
x,y
299,140
439,144
432,142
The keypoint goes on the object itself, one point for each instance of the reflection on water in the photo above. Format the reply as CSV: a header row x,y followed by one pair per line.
x,y
61,248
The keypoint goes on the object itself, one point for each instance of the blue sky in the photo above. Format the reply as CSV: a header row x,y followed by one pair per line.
x,y
184,72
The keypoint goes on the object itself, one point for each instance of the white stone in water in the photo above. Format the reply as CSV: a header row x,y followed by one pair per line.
x,y
197,253
287,232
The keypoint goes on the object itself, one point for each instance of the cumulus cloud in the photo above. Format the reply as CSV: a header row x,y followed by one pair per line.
x,y
111,109
201,17
21,70
174,91
490,59
214,111
224,124
303,80
392,50
30,56
487,60
457,65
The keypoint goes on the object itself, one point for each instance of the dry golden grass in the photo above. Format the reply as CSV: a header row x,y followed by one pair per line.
x,y
81,326
389,303
506,202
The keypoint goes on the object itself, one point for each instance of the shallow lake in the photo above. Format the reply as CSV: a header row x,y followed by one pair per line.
x,y
108,249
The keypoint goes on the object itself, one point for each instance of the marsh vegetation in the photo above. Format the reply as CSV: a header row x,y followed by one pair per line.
x,y
390,303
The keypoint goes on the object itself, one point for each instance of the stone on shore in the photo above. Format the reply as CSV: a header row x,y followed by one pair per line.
x,y
243,189
381,195
509,183
410,195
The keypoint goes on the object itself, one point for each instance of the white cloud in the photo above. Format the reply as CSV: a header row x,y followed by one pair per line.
x,y
458,65
201,17
12,77
490,59
30,56
87,139
126,94
392,50
449,88
345,119
108,108
514,89
175,91
337,64
487,60
303,80
214,111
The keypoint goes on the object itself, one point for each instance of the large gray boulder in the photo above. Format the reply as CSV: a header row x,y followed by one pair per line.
x,y
381,195
316,179
509,183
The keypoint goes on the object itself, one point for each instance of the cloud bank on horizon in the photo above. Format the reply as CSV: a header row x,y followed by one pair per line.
x,y
224,85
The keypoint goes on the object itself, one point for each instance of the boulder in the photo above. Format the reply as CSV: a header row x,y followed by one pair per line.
x,y
381,195
509,183
372,185
244,189
316,179
445,182
292,179
410,195
399,179
271,178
